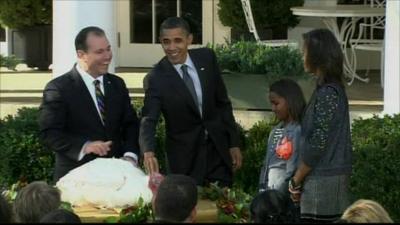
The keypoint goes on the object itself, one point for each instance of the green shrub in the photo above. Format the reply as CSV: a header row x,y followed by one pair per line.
x,y
22,156
284,62
10,62
25,13
242,56
231,14
160,138
376,143
160,146
266,13
254,58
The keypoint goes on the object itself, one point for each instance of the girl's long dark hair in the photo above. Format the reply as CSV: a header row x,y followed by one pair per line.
x,y
292,93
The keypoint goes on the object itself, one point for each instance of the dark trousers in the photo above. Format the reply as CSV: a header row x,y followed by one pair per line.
x,y
212,168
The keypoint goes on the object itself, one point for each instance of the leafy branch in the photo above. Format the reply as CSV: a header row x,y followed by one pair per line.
x,y
232,204
139,213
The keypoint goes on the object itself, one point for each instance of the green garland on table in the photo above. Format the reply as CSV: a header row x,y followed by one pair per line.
x,y
140,213
232,204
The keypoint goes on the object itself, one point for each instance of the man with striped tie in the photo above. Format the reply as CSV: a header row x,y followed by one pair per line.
x,y
87,113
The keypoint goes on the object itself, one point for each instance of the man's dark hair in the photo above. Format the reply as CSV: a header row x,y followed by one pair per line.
x,y
36,200
176,198
60,216
324,53
80,39
5,210
292,93
175,22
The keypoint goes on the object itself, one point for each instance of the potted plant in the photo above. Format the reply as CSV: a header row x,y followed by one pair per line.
x,y
271,17
31,30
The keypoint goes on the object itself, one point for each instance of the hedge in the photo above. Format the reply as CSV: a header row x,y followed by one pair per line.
x,y
376,143
22,155
254,58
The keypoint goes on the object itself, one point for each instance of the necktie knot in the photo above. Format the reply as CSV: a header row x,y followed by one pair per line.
x,y
96,82
184,69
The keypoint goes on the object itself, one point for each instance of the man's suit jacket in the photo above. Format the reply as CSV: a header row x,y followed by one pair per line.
x,y
69,118
166,93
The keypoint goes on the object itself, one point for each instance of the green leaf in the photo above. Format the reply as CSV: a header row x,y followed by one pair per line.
x,y
66,205
111,219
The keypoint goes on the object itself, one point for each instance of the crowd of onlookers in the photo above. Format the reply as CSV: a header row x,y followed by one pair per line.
x,y
175,201
38,202
271,207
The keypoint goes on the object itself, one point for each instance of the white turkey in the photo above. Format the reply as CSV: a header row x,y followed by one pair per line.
x,y
105,182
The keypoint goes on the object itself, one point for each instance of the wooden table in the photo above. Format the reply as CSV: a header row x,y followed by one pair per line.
x,y
206,213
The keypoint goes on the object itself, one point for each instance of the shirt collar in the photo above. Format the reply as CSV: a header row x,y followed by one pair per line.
x,y
188,62
87,77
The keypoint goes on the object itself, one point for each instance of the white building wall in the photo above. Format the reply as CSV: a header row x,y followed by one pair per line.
x,y
221,32
3,48
69,17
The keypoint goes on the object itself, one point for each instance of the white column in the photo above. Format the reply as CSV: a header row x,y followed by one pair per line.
x,y
392,58
69,17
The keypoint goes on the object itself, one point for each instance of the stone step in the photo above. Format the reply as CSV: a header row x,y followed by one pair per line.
x,y
35,96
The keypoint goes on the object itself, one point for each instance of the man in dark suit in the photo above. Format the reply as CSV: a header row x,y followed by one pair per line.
x,y
187,88
87,113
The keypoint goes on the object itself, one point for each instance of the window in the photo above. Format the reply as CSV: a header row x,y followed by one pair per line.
x,y
147,16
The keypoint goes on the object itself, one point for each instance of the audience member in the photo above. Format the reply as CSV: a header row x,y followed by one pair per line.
x,y
5,211
365,211
34,201
271,206
60,216
176,199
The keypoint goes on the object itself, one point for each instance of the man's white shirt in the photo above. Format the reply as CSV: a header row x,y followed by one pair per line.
x,y
88,80
195,78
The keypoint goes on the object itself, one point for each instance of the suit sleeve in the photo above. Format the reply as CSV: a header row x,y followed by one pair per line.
x,y
150,115
130,125
224,105
52,123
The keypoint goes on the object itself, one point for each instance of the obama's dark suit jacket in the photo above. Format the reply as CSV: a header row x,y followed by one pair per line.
x,y
166,93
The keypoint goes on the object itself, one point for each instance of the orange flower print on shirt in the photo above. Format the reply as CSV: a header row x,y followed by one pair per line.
x,y
284,150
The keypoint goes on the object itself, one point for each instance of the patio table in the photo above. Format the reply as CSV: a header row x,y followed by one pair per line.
x,y
351,14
